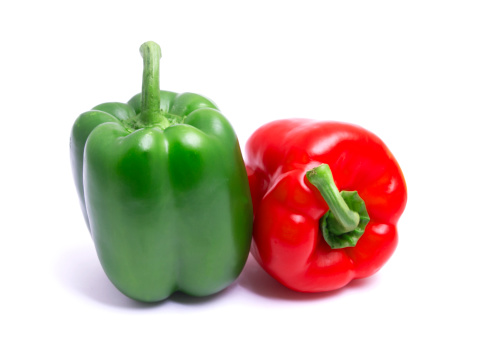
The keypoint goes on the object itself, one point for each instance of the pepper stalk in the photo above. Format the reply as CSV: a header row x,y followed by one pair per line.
x,y
345,222
151,113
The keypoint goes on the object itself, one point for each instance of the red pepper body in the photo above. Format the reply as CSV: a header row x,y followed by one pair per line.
x,y
288,242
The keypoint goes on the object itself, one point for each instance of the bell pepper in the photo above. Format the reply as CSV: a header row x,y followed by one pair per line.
x,y
164,190
327,197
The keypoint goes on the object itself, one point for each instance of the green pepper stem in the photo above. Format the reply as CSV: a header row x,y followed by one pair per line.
x,y
150,92
345,219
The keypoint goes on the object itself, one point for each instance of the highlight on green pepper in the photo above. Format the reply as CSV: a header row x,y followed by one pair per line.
x,y
163,189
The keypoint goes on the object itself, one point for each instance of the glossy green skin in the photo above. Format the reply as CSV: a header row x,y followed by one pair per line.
x,y
168,210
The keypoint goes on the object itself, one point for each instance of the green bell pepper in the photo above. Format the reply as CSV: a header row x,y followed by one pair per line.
x,y
164,190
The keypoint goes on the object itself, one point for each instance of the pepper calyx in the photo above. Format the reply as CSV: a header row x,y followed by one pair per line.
x,y
329,224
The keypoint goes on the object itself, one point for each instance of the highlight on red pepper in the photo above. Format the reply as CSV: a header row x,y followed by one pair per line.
x,y
327,197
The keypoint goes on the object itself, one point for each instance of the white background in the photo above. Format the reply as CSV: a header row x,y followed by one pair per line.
x,y
410,71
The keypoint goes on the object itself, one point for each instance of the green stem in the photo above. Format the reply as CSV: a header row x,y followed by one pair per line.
x,y
150,92
345,219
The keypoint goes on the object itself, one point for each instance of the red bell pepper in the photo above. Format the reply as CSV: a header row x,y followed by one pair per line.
x,y
308,235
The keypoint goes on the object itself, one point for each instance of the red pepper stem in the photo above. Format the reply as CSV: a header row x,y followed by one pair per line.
x,y
346,220
150,92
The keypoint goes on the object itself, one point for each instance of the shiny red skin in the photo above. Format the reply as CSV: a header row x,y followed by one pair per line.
x,y
288,242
